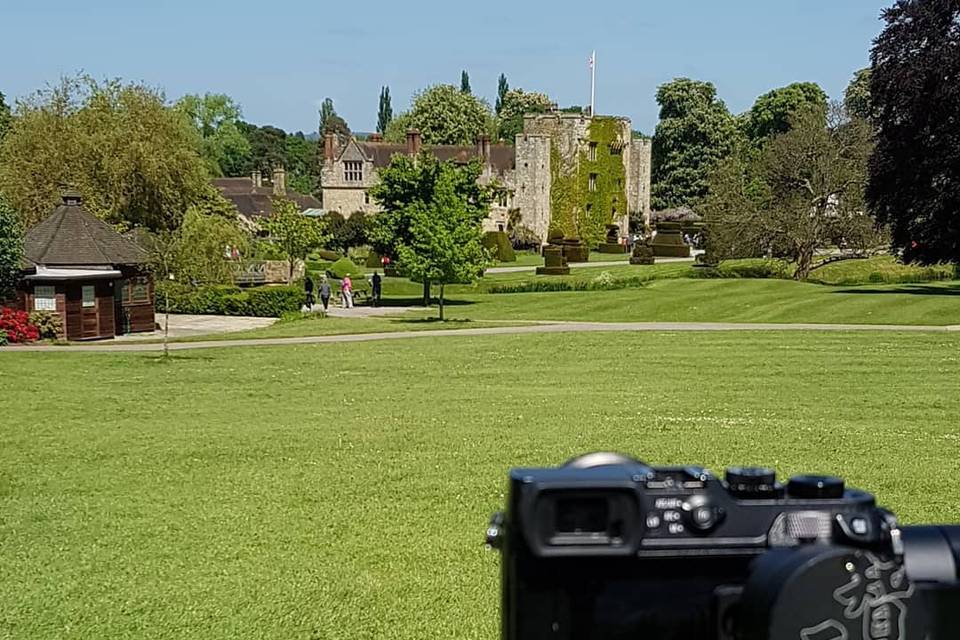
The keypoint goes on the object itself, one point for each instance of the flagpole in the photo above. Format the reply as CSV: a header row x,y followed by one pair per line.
x,y
593,82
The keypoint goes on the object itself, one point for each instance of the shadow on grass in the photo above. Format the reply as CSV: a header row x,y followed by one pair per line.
x,y
418,302
915,290
431,320
173,358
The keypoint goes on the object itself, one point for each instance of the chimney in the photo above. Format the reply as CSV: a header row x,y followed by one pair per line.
x,y
329,147
483,150
279,181
376,137
413,142
256,178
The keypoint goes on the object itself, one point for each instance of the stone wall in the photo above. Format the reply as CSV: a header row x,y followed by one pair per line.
x,y
530,183
638,177
347,196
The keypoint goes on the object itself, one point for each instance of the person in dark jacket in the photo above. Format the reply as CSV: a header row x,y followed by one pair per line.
x,y
308,287
325,293
375,281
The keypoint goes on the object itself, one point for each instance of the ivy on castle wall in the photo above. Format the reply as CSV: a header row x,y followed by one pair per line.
x,y
576,210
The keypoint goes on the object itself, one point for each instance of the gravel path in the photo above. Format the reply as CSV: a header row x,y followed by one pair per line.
x,y
556,327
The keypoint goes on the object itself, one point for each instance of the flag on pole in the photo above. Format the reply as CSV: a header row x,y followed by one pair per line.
x,y
590,60
593,81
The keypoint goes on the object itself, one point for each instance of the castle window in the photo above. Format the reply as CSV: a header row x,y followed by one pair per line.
x,y
592,154
616,150
366,198
589,207
353,171
502,198
593,182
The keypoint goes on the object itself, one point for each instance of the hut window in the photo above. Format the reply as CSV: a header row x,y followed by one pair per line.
x,y
89,296
139,294
44,298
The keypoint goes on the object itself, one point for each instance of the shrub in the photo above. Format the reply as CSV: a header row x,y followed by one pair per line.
x,y
499,246
358,254
15,325
345,266
374,260
49,324
750,268
3,339
273,302
264,302
328,255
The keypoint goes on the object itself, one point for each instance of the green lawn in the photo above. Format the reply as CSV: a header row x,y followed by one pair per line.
x,y
341,491
744,300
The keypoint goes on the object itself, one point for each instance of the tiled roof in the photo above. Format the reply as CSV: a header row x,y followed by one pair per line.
x,y
502,156
72,236
254,201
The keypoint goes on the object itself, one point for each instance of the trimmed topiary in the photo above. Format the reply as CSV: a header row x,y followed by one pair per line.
x,y
345,266
498,243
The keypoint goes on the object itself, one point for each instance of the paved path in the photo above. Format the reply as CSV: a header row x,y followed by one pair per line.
x,y
580,265
184,325
555,327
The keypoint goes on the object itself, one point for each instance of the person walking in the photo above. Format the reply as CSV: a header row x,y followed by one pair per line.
x,y
346,290
325,293
308,288
376,282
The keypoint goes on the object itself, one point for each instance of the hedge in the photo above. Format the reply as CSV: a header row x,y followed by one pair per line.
x,y
345,266
228,300
498,243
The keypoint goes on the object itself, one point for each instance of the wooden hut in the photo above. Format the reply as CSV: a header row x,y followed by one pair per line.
x,y
80,267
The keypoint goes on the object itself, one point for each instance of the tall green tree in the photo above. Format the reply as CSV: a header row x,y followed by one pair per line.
x,y
5,117
695,132
135,160
407,184
446,237
771,113
445,115
465,82
915,98
303,168
215,117
331,122
502,87
11,249
516,104
202,240
293,233
856,97
268,147
385,111
801,193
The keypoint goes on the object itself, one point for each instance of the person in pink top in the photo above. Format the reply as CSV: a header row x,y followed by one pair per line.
x,y
346,290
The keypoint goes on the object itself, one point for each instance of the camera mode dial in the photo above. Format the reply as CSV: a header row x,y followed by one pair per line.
x,y
752,482
815,487
700,515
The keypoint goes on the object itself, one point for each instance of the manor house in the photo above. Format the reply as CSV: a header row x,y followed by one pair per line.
x,y
563,169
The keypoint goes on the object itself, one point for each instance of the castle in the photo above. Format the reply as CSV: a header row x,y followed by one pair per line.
x,y
566,173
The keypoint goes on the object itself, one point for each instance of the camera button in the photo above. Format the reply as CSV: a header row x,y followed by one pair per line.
x,y
653,521
859,526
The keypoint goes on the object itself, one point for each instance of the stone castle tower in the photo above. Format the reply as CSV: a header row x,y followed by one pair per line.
x,y
566,173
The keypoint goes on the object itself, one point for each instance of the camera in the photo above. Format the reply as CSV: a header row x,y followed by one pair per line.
x,y
608,547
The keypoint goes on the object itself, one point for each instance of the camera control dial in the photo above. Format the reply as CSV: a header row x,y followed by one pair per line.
x,y
752,482
700,515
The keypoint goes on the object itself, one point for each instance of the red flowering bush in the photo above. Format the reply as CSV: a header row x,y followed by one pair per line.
x,y
15,325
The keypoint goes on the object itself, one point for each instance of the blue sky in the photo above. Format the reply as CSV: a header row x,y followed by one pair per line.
x,y
280,58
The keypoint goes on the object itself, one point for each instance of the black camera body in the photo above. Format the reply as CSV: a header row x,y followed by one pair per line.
x,y
609,547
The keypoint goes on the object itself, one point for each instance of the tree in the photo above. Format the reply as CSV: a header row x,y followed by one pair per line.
x,y
445,115
204,243
407,183
385,111
695,132
771,113
268,147
465,82
502,88
802,192
397,129
445,242
346,233
303,168
135,161
516,104
856,98
330,122
216,118
915,98
5,117
294,233
11,249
